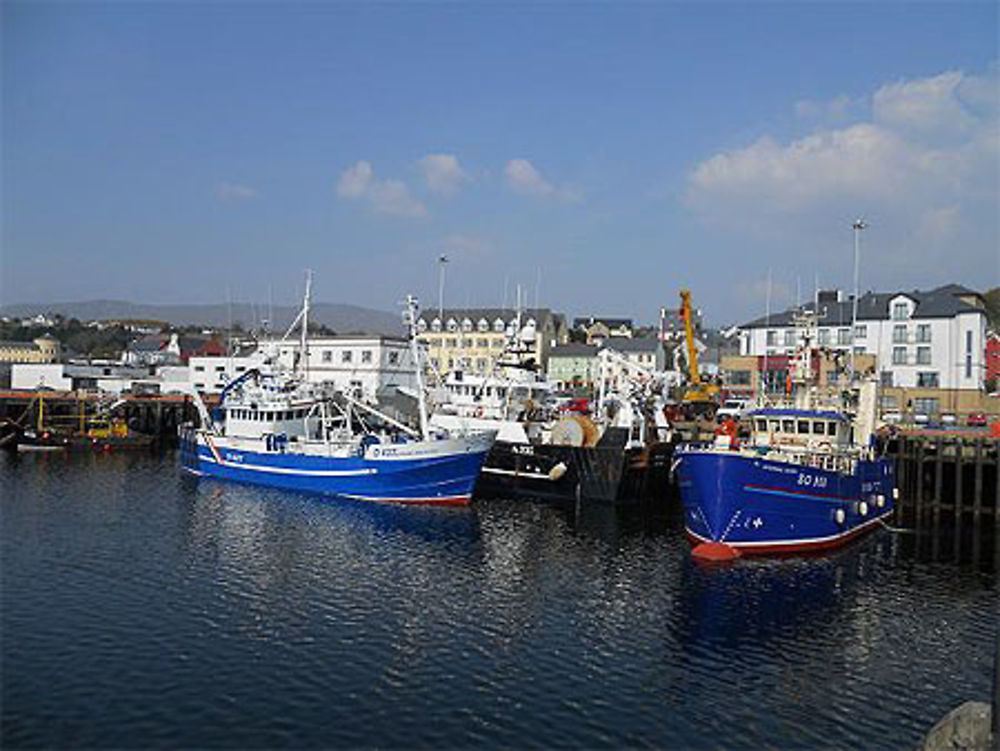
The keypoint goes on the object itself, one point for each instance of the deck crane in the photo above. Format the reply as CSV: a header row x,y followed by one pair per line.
x,y
697,392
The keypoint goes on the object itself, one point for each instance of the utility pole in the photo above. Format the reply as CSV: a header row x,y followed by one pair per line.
x,y
859,225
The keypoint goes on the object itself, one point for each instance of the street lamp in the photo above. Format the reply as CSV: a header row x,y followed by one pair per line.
x,y
442,260
859,225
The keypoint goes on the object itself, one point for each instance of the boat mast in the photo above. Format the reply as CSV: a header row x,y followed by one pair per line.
x,y
303,351
410,320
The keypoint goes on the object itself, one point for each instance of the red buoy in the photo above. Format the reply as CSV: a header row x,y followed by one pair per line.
x,y
715,551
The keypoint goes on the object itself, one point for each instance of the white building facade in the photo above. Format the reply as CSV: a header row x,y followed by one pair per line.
x,y
931,340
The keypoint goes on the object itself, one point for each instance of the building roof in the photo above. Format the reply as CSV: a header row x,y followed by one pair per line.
x,y
634,345
574,349
611,323
942,302
489,314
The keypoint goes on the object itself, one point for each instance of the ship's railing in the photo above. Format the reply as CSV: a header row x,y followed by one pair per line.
x,y
841,461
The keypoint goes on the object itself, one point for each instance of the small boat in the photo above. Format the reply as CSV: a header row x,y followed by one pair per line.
x,y
83,431
809,478
277,429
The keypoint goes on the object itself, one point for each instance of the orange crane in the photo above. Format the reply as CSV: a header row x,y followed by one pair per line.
x,y
697,391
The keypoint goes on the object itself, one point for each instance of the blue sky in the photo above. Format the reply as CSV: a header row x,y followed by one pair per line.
x,y
604,155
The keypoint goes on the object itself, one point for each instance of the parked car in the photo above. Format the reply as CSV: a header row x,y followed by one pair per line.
x,y
734,408
976,420
892,418
949,421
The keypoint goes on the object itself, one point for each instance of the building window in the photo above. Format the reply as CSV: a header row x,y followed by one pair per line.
x,y
843,337
738,378
860,331
366,355
451,343
772,338
859,350
887,378
824,337
199,368
927,381
890,403
923,355
899,334
498,326
927,405
481,364
924,333
899,311
452,325
482,343
327,355
421,325
394,359
899,355
790,338
345,356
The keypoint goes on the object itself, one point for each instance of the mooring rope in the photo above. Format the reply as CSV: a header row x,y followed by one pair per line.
x,y
897,530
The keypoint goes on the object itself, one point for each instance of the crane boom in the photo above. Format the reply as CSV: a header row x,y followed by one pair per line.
x,y
692,350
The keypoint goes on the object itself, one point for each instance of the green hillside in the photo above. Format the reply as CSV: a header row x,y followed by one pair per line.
x,y
992,298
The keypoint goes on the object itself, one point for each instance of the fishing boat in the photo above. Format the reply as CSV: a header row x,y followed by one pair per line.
x,y
543,453
278,429
810,477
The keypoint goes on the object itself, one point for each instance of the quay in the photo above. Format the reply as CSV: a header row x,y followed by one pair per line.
x,y
154,415
949,493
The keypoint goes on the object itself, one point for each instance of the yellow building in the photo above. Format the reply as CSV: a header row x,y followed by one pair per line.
x,y
470,339
45,349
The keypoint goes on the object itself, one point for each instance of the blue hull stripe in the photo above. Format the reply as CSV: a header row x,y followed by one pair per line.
x,y
797,496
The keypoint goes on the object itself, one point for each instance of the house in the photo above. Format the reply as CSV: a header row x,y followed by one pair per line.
x,y
44,349
598,330
171,349
573,366
470,339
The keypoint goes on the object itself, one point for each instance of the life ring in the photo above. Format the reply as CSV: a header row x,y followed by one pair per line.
x,y
479,411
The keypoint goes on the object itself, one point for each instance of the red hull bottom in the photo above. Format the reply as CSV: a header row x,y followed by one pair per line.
x,y
795,546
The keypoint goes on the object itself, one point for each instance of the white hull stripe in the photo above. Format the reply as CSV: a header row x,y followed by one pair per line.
x,y
807,541
291,470
408,499
515,473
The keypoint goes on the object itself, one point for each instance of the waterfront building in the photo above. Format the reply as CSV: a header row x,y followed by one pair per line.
x,y
44,349
922,340
929,348
110,378
598,330
573,367
470,339
640,356
360,365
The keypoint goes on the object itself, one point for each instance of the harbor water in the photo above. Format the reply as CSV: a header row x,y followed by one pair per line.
x,y
145,608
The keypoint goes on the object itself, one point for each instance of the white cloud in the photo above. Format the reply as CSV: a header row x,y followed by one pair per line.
x,y
358,182
923,147
442,172
355,180
523,177
234,192
393,197
920,164
835,109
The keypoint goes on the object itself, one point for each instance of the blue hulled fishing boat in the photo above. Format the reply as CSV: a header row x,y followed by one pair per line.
x,y
278,429
810,476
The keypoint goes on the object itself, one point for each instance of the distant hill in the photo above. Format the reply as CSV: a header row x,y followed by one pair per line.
x,y
344,319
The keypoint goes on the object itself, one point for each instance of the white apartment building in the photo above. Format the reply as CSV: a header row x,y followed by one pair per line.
x,y
927,340
360,365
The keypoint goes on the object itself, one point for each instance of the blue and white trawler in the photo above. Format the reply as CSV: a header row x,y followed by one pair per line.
x,y
277,429
809,478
